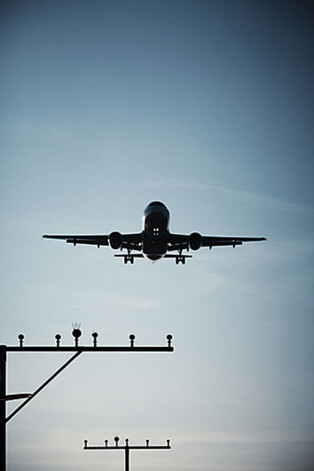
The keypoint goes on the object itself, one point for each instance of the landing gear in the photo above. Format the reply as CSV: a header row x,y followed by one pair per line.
x,y
180,259
129,258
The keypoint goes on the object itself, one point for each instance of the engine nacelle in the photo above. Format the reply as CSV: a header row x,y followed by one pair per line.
x,y
195,241
115,240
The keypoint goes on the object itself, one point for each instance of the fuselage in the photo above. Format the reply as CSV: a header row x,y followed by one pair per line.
x,y
155,230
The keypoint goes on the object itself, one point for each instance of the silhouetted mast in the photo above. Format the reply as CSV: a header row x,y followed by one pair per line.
x,y
126,448
77,349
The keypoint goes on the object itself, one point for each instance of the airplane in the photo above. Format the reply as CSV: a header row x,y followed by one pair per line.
x,y
155,241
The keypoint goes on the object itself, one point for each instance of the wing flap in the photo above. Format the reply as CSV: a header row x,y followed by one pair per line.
x,y
97,242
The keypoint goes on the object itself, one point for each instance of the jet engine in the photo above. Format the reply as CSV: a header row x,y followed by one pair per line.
x,y
115,240
195,241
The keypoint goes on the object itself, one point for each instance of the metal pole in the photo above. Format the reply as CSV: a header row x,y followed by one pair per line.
x,y
3,358
42,386
77,350
127,457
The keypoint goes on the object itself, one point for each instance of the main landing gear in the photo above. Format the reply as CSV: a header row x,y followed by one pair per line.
x,y
129,258
180,259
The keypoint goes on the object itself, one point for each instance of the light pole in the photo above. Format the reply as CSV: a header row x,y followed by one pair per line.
x,y
126,448
77,349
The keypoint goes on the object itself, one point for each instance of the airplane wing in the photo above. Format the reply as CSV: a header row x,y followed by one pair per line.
x,y
196,241
132,241
115,240
81,239
210,241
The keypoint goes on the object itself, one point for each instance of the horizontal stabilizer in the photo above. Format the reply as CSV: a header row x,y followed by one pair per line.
x,y
135,255
176,256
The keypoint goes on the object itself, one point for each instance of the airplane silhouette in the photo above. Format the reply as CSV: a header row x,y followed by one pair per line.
x,y
155,240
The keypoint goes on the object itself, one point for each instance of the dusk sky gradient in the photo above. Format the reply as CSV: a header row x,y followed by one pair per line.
x,y
208,107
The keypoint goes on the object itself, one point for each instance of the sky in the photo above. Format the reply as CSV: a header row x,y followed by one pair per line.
x,y
208,107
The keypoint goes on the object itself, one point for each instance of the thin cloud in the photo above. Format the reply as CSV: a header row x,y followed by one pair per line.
x,y
241,438
248,197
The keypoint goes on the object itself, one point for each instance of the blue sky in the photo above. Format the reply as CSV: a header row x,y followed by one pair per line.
x,y
207,106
